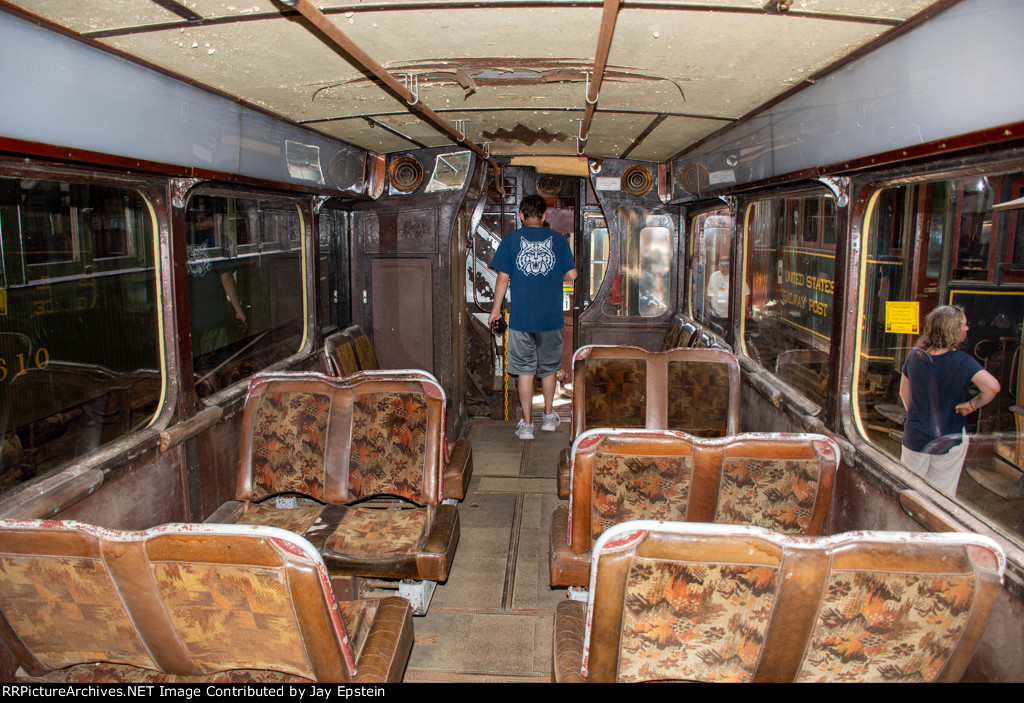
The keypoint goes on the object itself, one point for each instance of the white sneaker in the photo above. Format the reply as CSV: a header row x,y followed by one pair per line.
x,y
524,431
551,422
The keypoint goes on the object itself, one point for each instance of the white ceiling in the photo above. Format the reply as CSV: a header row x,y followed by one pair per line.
x,y
677,71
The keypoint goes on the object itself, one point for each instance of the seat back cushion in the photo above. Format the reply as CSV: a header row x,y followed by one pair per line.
x,y
704,602
615,393
638,487
60,602
389,453
185,600
288,438
698,397
783,484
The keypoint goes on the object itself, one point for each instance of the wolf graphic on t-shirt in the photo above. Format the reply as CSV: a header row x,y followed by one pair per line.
x,y
536,258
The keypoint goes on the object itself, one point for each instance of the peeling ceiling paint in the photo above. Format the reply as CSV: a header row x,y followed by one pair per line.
x,y
677,72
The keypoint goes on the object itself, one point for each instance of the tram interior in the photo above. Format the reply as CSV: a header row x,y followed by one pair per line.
x,y
228,187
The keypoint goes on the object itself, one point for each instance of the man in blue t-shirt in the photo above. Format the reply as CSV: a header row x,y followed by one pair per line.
x,y
534,259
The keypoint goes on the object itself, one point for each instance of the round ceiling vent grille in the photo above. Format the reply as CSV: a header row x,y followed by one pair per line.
x,y
693,178
345,170
405,174
549,186
637,180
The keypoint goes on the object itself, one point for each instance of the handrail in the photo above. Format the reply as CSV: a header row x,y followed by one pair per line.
x,y
604,42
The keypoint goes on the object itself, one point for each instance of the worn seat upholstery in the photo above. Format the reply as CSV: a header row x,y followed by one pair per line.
x,y
186,603
682,332
783,482
338,358
458,455
362,345
690,390
685,601
337,444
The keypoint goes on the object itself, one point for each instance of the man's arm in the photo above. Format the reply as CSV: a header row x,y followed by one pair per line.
x,y
570,275
499,296
227,279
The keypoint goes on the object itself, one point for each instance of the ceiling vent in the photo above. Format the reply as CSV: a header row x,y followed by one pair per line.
x,y
549,186
637,180
693,178
405,174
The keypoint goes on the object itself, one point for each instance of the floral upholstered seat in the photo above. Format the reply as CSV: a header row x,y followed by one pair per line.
x,y
184,604
364,455
696,391
779,481
339,360
701,602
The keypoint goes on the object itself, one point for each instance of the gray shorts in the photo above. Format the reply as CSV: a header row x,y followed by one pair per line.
x,y
534,353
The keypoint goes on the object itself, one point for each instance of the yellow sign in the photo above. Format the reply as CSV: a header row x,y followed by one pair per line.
x,y
3,301
902,317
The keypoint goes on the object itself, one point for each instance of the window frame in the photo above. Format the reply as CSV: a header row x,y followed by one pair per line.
x,y
306,250
69,482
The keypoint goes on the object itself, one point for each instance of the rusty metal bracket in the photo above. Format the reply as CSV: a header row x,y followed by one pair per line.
x,y
180,188
586,94
412,86
840,188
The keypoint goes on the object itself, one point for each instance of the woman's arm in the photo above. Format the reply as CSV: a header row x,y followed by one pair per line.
x,y
989,387
905,391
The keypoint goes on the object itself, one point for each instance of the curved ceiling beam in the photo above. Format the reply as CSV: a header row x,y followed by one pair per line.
x,y
604,42
366,62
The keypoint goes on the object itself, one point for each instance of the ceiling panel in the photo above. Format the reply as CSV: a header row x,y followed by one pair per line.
x,y
515,73
98,15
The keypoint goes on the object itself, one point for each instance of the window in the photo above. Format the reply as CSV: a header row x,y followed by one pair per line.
x,y
711,236
788,284
642,285
246,285
335,276
80,359
968,253
595,234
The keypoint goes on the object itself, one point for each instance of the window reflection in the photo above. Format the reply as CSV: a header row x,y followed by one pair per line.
x,y
790,262
245,286
712,235
642,284
596,234
335,275
79,337
942,243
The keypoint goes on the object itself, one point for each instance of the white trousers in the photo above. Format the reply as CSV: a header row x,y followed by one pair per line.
x,y
941,470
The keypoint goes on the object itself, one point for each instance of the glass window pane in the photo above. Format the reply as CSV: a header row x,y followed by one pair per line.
x,y
655,261
641,287
965,256
598,238
788,290
79,336
709,293
335,276
245,286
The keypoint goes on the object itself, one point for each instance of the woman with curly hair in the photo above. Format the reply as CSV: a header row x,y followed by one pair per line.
x,y
935,389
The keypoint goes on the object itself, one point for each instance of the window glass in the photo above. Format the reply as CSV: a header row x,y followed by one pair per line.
x,y
941,243
245,286
642,284
596,235
335,277
711,234
79,334
788,288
